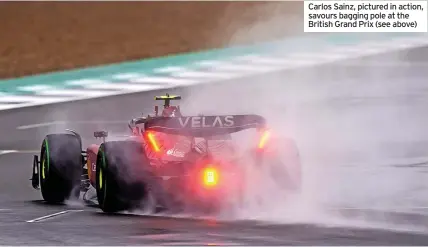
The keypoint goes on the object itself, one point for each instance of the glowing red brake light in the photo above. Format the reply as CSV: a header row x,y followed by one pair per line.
x,y
264,138
210,177
153,142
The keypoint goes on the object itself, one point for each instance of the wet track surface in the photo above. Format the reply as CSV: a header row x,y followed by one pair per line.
x,y
392,84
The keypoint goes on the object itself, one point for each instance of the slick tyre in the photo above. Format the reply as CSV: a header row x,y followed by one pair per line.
x,y
60,168
120,176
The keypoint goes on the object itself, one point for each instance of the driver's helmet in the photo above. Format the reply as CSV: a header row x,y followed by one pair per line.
x,y
171,111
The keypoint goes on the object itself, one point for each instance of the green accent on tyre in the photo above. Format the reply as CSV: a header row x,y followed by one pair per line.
x,y
104,159
43,169
100,178
47,156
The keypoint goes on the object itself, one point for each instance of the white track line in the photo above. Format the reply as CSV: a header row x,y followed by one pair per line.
x,y
52,215
124,86
35,88
126,76
261,59
37,125
247,68
73,92
205,74
169,69
153,79
32,99
8,106
83,82
2,152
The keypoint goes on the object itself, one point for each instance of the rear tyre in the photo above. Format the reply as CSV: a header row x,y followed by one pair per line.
x,y
120,176
61,167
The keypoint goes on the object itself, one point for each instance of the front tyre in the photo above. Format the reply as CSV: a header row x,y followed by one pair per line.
x,y
120,176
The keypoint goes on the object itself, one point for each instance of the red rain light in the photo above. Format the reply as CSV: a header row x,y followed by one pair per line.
x,y
153,142
210,177
264,138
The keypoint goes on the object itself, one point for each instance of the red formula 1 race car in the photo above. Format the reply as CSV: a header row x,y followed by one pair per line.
x,y
169,161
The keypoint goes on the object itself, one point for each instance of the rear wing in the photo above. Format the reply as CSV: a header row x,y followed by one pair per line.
x,y
200,126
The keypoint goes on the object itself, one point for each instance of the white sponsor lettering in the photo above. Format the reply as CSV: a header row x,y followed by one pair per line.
x,y
183,124
204,125
200,122
229,121
217,122
176,153
196,122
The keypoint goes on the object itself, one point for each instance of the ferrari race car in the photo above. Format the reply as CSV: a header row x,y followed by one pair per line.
x,y
169,161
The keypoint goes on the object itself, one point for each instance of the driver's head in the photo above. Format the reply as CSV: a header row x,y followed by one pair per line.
x,y
171,111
